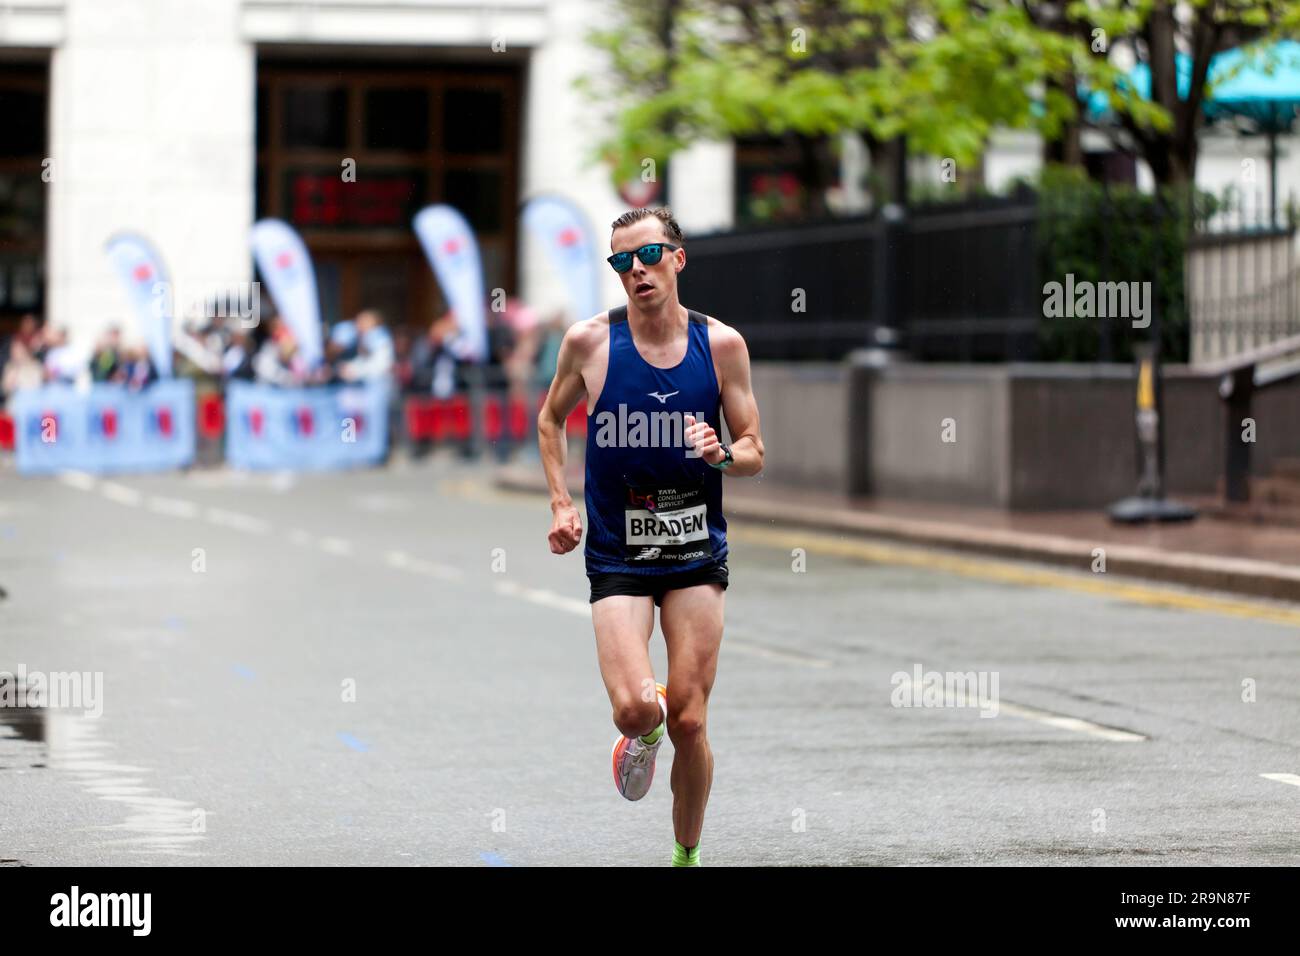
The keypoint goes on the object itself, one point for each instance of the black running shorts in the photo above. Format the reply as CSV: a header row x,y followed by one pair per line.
x,y
605,585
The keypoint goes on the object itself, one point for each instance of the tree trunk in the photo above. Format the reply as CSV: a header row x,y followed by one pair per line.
x,y
1067,148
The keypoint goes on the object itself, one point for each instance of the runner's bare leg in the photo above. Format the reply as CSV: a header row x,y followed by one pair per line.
x,y
691,619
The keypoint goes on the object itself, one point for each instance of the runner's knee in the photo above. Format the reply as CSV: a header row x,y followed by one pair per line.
x,y
685,724
634,717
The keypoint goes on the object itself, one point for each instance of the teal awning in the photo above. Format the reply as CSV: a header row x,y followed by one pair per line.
x,y
1260,82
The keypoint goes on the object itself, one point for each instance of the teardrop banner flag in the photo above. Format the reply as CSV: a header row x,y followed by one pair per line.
x,y
141,270
566,235
287,270
450,246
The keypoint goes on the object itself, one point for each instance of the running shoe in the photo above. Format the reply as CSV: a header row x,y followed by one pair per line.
x,y
634,760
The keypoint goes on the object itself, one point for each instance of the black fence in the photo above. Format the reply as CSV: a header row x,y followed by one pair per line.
x,y
970,281
794,292
958,283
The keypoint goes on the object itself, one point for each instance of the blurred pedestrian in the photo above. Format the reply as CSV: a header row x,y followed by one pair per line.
x,y
22,369
433,366
278,361
136,370
237,361
107,357
374,359
63,364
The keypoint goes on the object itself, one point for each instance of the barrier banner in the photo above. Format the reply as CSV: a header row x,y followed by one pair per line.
x,y
326,428
143,276
108,428
286,268
566,235
452,250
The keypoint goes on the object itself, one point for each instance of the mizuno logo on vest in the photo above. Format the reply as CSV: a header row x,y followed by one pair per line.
x,y
644,429
663,398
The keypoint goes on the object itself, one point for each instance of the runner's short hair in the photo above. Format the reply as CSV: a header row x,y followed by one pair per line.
x,y
662,213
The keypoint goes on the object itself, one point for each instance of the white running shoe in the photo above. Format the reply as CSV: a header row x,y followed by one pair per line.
x,y
634,762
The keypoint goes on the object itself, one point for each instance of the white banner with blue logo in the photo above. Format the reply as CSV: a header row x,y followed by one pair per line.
x,y
107,429
141,270
566,235
286,268
452,250
306,429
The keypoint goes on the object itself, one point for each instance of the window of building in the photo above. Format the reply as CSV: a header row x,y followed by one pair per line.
x,y
784,179
24,135
417,135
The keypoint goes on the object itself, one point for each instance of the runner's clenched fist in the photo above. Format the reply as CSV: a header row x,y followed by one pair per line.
x,y
566,530
702,437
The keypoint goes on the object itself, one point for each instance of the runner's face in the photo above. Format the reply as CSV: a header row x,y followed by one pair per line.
x,y
648,286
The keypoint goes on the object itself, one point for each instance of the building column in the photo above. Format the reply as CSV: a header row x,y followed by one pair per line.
x,y
151,129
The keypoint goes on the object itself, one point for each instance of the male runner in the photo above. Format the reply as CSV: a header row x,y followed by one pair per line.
x,y
654,375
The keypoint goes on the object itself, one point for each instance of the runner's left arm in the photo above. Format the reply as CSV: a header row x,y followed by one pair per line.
x,y
739,408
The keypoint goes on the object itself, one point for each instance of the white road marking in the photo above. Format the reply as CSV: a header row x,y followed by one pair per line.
x,y
282,481
1076,724
240,522
336,546
768,653
443,572
544,598
1291,778
1061,721
78,479
404,562
121,494
154,823
381,503
174,507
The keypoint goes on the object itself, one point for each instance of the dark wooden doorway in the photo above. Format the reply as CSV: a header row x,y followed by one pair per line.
x,y
414,135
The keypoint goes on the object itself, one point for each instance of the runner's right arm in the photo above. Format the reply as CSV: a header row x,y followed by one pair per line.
x,y
567,389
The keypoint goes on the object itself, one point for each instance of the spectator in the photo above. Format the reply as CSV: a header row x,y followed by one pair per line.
x,y
519,348
433,366
136,370
402,368
237,362
374,359
278,361
107,357
62,363
22,370
29,333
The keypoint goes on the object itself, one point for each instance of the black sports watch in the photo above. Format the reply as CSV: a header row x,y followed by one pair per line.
x,y
728,459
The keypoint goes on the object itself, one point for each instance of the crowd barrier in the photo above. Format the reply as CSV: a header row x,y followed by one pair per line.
x,y
261,426
307,429
105,429
453,419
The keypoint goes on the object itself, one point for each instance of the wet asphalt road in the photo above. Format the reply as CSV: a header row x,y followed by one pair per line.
x,y
391,668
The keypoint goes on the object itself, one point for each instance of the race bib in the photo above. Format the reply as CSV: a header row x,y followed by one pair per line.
x,y
666,525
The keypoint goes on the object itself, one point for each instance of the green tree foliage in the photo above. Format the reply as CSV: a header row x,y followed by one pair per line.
x,y
1105,234
1164,130
942,73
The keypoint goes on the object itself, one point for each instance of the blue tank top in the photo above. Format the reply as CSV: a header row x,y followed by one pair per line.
x,y
653,506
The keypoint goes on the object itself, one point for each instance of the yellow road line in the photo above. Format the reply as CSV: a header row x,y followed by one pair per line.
x,y
991,569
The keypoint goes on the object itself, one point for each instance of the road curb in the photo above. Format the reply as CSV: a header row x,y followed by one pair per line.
x,y
1243,576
